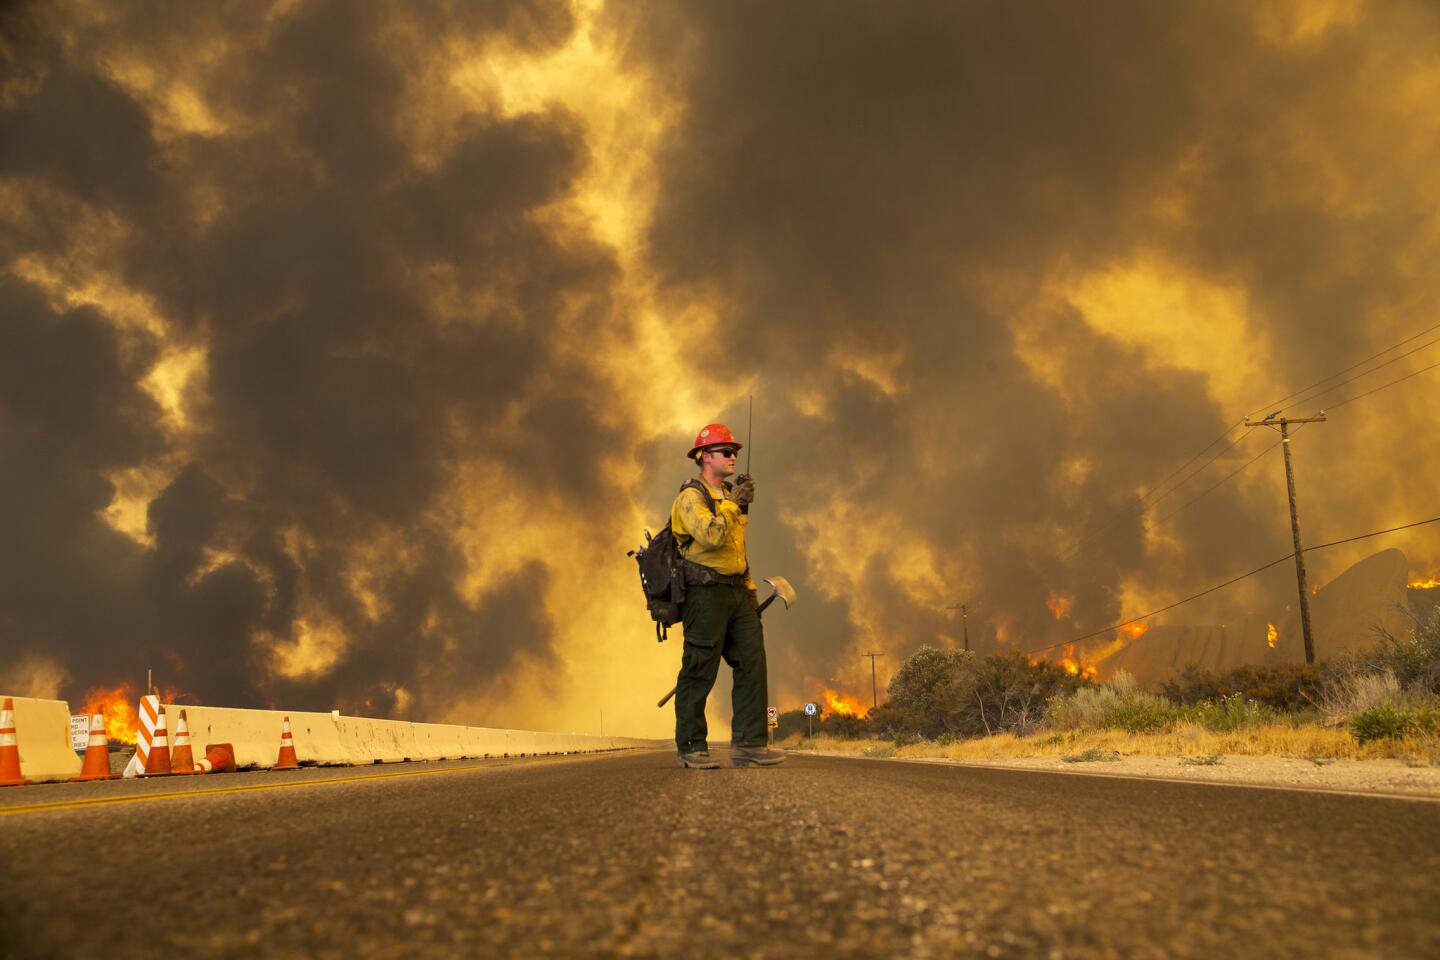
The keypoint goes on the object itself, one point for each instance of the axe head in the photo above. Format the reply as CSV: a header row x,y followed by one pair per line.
x,y
783,590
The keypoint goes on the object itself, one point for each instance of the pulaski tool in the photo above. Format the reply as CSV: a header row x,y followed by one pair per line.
x,y
781,588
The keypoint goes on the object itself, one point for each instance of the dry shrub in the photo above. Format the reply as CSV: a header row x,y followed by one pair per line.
x,y
1283,686
1119,704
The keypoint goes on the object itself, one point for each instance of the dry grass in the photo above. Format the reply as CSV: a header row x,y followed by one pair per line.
x,y
1186,740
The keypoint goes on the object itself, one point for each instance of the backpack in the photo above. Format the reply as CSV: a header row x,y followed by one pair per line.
x,y
662,571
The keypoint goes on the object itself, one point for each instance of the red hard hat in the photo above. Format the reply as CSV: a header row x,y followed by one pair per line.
x,y
713,435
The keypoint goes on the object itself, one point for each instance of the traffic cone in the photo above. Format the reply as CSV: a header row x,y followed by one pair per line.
x,y
158,763
97,754
9,747
219,758
287,759
181,758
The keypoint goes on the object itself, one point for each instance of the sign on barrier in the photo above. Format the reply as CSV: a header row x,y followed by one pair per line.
x,y
80,733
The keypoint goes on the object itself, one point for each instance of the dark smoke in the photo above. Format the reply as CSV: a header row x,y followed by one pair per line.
x,y
336,400
878,201
855,176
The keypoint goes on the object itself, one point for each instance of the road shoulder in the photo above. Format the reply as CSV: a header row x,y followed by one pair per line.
x,y
1370,777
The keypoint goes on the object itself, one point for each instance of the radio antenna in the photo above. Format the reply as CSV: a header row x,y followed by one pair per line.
x,y
749,435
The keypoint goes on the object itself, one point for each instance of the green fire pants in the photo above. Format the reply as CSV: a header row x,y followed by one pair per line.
x,y
721,621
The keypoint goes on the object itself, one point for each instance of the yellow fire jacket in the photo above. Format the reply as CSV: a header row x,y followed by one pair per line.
x,y
716,540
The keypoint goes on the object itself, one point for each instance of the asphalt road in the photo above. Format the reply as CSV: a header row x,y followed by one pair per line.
x,y
628,856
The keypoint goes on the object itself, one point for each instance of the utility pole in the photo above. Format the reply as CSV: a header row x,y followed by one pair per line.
x,y
874,690
1284,425
964,609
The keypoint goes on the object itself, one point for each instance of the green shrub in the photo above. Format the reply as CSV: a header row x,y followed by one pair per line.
x,y
946,740
1000,694
1389,721
956,693
1382,722
1145,713
879,751
913,688
791,722
1119,705
844,727
1233,713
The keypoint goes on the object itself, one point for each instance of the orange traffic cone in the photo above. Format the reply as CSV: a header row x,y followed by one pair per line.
x,y
182,760
9,747
219,758
158,763
97,754
287,759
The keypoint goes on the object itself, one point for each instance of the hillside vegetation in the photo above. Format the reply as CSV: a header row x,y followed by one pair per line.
x,y
1382,703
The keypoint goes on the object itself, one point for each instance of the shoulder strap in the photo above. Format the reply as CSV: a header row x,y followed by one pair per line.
x,y
704,492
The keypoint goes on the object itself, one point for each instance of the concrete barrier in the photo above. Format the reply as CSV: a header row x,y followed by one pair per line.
x,y
440,741
255,734
483,742
42,730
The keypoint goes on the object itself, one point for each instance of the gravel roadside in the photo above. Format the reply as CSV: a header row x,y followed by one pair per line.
x,y
1378,777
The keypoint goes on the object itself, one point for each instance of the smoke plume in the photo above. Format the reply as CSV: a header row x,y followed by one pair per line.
x,y
348,346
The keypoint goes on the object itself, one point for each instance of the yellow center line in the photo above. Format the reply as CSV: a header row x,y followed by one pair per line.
x,y
182,794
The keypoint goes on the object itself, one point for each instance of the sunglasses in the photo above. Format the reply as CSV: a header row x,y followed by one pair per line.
x,y
725,451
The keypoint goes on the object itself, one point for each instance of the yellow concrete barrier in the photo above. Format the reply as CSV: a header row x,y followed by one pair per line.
x,y
255,734
326,738
440,741
483,742
42,730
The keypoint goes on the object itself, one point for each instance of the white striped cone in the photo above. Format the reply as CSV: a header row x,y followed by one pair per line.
x,y
149,714
10,775
181,758
219,756
97,754
158,763
287,759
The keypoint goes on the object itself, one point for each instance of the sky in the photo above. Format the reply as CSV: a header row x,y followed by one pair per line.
x,y
346,348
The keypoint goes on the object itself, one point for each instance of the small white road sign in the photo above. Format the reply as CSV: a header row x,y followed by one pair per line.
x,y
772,714
80,733
811,710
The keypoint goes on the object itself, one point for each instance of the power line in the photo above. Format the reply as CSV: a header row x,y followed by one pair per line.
x,y
1246,464
1146,616
1217,483
1271,404
1336,406
1313,398
1140,505
1233,580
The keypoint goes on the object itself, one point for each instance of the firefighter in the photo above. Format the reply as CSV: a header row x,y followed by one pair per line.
x,y
720,613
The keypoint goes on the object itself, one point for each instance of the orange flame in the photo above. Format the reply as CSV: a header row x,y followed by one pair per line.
x,y
1271,635
1059,606
1135,630
118,705
1429,584
1072,663
839,703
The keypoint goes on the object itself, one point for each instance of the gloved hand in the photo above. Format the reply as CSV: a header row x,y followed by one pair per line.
x,y
741,490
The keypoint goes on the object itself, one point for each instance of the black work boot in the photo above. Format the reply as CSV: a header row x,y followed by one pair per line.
x,y
698,760
760,756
